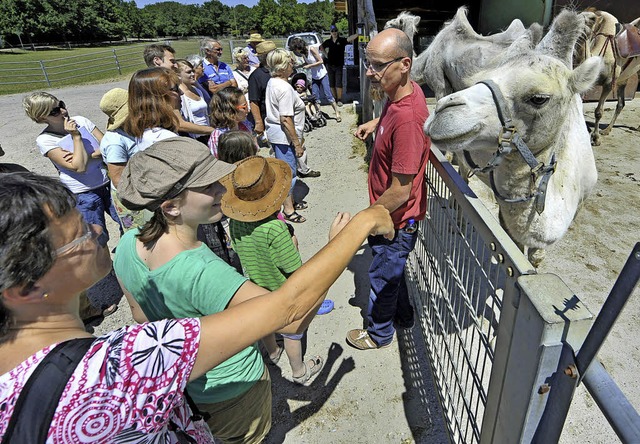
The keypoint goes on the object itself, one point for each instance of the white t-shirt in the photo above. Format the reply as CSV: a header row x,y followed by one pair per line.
x,y
153,135
95,175
282,100
243,81
195,111
317,72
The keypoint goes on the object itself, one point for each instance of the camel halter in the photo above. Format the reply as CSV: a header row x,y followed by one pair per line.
x,y
507,139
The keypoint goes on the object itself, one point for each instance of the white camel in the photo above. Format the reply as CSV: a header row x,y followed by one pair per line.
x,y
446,68
617,69
540,94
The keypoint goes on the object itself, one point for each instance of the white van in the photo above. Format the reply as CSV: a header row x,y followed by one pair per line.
x,y
311,38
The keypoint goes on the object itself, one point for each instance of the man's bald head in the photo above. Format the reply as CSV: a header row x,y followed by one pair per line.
x,y
392,42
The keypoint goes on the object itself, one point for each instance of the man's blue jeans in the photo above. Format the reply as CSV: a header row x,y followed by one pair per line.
x,y
389,298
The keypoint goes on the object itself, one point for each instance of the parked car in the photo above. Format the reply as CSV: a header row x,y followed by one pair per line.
x,y
311,38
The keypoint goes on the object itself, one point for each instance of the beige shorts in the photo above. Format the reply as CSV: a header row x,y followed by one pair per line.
x,y
245,418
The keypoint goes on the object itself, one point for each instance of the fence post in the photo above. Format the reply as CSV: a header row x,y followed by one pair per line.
x,y
115,56
44,71
549,320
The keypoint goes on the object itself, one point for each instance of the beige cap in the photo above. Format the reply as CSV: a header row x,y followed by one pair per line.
x,y
265,47
165,169
114,105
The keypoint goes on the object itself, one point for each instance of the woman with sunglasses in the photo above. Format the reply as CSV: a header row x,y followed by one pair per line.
x,y
129,386
66,141
79,162
229,111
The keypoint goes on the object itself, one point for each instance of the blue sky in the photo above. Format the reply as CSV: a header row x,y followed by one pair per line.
x,y
249,3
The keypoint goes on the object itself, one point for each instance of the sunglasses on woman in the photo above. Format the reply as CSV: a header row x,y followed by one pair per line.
x,y
57,110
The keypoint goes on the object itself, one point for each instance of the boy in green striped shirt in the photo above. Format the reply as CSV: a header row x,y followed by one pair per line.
x,y
255,192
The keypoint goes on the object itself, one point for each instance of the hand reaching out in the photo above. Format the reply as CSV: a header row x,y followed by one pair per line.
x,y
340,221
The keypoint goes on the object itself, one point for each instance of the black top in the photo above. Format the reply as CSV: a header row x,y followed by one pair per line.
x,y
335,51
258,88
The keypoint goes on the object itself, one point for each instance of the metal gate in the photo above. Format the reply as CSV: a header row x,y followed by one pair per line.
x,y
499,336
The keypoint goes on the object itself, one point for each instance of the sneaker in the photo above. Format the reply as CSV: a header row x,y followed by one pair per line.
x,y
360,339
339,103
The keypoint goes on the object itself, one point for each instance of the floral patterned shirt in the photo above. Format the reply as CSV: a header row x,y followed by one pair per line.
x,y
127,388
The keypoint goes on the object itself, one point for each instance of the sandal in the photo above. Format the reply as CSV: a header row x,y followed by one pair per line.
x,y
274,361
300,205
326,307
338,119
315,365
294,217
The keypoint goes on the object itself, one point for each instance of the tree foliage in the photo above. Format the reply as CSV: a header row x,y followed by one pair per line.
x,y
91,20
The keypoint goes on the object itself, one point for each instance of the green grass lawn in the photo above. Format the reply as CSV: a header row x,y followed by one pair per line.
x,y
22,72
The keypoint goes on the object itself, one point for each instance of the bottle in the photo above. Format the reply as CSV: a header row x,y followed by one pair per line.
x,y
411,226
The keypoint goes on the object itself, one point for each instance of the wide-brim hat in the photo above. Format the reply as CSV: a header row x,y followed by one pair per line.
x,y
255,38
265,47
167,168
114,105
256,189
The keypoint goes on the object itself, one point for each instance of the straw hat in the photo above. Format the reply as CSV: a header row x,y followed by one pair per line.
x,y
114,105
165,169
255,38
256,189
265,47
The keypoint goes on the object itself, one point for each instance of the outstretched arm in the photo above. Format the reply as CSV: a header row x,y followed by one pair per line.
x,y
226,333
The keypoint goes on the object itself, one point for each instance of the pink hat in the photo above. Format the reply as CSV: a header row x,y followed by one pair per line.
x,y
301,82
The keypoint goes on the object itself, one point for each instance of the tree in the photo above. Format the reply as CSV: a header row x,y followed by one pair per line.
x,y
319,15
214,13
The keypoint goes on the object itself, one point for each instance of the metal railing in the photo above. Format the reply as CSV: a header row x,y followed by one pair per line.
x,y
500,337
53,72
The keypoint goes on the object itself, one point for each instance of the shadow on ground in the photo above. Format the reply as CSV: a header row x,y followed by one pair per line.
x,y
420,400
315,395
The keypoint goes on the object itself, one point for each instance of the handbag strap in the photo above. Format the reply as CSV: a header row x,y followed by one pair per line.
x,y
37,402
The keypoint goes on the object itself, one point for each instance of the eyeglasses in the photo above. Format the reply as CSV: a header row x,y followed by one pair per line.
x,y
216,49
57,110
89,233
378,67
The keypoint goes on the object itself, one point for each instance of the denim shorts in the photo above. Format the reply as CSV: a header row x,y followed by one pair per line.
x,y
288,154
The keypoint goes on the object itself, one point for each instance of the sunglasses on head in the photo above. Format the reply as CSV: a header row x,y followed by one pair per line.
x,y
57,110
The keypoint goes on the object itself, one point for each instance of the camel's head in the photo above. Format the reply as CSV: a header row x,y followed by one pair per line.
x,y
539,95
539,88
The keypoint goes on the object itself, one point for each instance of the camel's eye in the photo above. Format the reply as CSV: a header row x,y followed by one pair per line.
x,y
539,100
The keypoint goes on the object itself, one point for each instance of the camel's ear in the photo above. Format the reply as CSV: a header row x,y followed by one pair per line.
x,y
536,31
521,45
586,74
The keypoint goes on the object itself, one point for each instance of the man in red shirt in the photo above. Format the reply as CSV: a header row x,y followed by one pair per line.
x,y
396,181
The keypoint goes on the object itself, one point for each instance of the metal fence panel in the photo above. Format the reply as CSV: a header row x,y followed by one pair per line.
x,y
458,286
464,278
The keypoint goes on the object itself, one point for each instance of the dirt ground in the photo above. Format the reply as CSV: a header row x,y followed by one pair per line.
x,y
386,396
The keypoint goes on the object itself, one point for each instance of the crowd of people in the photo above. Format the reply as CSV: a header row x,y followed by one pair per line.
x,y
207,258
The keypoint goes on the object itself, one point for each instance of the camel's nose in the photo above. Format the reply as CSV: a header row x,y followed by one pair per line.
x,y
448,101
